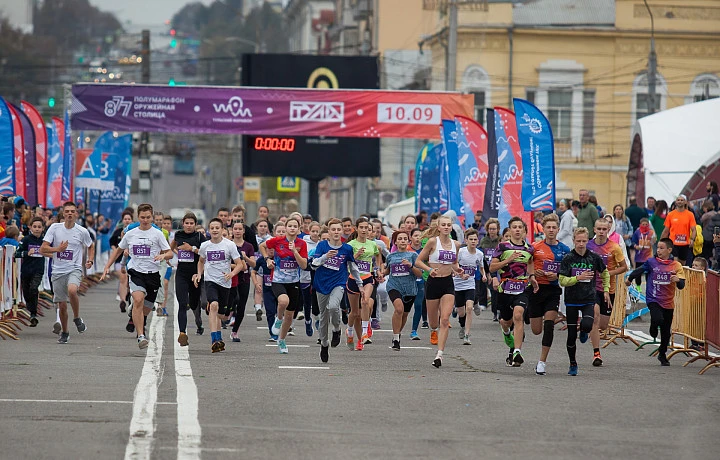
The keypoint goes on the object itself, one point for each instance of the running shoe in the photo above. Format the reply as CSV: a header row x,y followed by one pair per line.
x,y
282,347
509,339
324,355
81,327
200,330
425,325
33,321
275,329
663,359
301,315
477,309
573,370
540,368
437,362
215,348
57,328
375,323
234,337
466,340
142,342
383,307
414,335
231,323
350,343
183,339
597,359
366,340
224,324
495,319
308,328
258,314
517,358
222,345
130,326
291,331
319,341
461,333
317,325
433,338
584,336
359,346
335,341
273,338
123,306
454,313
64,338
509,359
369,330
117,297
396,345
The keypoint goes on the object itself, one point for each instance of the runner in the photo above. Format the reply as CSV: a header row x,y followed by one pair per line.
x,y
577,273
471,261
290,257
147,247
664,275
513,259
401,285
612,256
33,267
247,254
680,228
263,234
381,294
66,243
312,239
368,259
120,271
488,244
332,261
186,245
347,225
167,227
216,259
440,253
419,308
544,304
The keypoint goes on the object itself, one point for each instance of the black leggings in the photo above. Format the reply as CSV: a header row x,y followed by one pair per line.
x,y
661,318
188,297
243,292
586,324
30,285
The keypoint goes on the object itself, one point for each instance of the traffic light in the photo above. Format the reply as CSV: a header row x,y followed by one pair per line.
x,y
172,32
173,43
171,82
51,102
81,59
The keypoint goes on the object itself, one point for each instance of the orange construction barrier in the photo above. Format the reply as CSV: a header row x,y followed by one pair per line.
x,y
712,322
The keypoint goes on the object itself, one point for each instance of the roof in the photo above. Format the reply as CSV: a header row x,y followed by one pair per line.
x,y
675,143
564,13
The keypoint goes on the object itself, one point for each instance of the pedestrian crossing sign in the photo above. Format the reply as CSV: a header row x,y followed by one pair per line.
x,y
288,184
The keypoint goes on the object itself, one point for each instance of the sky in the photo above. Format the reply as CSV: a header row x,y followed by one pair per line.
x,y
145,12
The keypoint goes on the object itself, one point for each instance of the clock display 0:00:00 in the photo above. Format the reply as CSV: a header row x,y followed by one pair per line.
x,y
275,144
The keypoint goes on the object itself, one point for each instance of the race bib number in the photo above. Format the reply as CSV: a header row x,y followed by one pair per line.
x,y
399,270
447,256
469,270
267,279
65,255
34,250
141,251
363,266
215,256
186,256
288,264
334,263
580,271
550,266
661,278
681,239
513,287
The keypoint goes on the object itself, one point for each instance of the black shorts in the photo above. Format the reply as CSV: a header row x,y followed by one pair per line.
x,y
605,309
352,286
216,293
546,299
148,282
462,297
508,302
681,252
292,290
408,301
435,288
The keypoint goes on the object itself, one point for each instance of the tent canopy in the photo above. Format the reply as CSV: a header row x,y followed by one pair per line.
x,y
670,146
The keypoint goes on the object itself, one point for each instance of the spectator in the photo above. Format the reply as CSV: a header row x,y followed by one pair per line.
x,y
650,206
633,212
625,228
12,236
712,190
587,213
680,228
568,224
643,240
657,220
709,221
716,241
562,206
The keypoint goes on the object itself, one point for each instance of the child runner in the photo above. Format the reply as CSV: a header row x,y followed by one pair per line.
x,y
33,267
242,290
471,260
401,284
418,306
186,245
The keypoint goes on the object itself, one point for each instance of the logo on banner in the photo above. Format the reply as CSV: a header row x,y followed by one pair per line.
x,y
323,78
326,112
533,124
117,104
235,107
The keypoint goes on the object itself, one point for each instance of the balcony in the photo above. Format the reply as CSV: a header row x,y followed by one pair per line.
x,y
564,154
362,10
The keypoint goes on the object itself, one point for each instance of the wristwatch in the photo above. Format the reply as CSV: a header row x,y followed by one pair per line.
x,y
195,249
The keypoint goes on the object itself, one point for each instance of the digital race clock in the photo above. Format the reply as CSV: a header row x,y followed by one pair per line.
x,y
275,144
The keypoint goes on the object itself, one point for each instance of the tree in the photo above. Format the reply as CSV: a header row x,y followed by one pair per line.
x,y
73,23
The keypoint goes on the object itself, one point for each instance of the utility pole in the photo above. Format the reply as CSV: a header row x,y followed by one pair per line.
x,y
144,174
451,71
652,67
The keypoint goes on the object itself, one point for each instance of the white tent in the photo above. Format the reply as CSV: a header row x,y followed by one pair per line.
x,y
671,145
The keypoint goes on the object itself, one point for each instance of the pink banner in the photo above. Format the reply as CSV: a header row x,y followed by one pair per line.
x,y
40,150
472,140
20,180
510,165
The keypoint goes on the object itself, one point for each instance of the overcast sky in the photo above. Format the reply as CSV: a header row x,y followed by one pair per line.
x,y
146,12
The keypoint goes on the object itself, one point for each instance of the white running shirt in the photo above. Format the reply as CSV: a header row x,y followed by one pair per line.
x,y
144,246
70,259
218,257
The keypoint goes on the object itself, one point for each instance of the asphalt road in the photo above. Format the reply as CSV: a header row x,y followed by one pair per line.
x,y
83,399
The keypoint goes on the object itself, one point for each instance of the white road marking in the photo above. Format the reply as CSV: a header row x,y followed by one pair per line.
x,y
302,367
75,401
189,430
415,348
297,346
142,424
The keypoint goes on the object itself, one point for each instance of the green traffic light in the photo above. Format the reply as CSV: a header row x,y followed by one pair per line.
x,y
173,43
171,82
51,102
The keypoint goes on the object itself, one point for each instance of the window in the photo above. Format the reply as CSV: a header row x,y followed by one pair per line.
x,y
642,104
479,106
588,115
705,87
530,95
641,99
559,113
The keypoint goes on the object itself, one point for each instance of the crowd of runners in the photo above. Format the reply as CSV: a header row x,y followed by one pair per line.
x,y
341,278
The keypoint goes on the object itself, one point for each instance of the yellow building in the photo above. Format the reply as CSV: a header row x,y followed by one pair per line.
x,y
583,62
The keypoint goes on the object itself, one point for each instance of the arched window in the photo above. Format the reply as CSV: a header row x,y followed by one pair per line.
x,y
641,98
705,86
476,81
